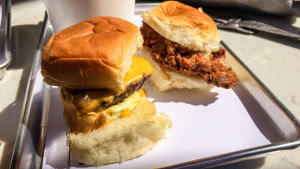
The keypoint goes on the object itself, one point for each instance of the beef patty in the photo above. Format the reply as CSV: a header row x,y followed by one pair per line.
x,y
173,56
82,98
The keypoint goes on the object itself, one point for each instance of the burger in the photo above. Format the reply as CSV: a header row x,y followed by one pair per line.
x,y
183,45
101,87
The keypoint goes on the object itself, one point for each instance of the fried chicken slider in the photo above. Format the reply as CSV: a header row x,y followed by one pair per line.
x,y
183,45
101,83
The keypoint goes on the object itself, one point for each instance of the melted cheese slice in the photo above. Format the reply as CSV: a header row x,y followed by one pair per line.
x,y
139,67
89,115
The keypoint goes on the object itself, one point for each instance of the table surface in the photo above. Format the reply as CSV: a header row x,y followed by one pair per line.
x,y
276,61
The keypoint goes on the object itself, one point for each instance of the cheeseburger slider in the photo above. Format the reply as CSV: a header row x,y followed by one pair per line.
x,y
100,84
183,45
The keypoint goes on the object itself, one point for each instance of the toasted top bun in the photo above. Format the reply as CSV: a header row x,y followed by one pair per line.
x,y
95,53
185,25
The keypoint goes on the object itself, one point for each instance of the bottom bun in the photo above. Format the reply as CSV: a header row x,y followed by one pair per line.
x,y
123,138
164,79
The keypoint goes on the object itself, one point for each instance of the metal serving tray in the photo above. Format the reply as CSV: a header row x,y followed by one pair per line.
x,y
272,119
5,28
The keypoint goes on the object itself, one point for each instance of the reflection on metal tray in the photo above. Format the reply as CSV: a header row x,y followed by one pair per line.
x,y
274,121
5,56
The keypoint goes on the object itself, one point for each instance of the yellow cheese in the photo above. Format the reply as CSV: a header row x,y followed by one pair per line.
x,y
88,121
138,68
142,93
91,115
115,111
107,121
126,113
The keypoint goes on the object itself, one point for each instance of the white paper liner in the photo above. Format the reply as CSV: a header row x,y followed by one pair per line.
x,y
205,124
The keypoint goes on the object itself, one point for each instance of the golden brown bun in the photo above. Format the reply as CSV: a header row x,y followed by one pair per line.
x,y
185,25
95,53
164,79
123,138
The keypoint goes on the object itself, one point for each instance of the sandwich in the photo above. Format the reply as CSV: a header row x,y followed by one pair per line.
x,y
183,45
101,87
